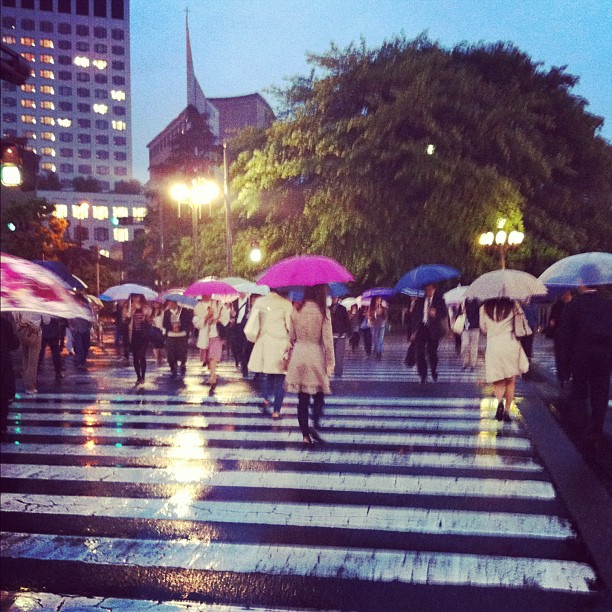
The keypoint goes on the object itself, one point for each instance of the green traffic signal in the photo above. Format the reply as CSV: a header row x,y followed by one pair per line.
x,y
11,226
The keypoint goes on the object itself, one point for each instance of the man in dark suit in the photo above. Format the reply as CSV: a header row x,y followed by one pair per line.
x,y
239,313
584,340
341,328
428,320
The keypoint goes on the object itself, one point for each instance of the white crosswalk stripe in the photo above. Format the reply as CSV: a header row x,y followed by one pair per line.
x,y
408,493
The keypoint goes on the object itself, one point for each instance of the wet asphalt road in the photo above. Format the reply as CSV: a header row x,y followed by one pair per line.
x,y
121,497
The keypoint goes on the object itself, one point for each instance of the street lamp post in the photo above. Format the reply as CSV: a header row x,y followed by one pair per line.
x,y
200,192
228,218
502,240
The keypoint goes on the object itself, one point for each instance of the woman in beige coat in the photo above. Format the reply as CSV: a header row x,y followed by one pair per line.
x,y
504,355
269,327
312,358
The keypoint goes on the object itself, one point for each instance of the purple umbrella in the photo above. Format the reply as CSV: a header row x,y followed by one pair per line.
x,y
209,288
305,270
385,292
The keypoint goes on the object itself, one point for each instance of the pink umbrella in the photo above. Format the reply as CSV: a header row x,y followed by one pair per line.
x,y
306,271
28,287
210,288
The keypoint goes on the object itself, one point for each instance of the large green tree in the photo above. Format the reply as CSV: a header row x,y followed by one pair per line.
x,y
400,155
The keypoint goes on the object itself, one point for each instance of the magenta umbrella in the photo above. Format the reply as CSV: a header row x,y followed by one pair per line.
x,y
210,288
306,271
28,287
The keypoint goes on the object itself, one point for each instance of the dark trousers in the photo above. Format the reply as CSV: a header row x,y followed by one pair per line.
x,y
427,350
248,349
54,346
354,340
274,384
237,344
81,342
367,340
176,350
591,383
318,402
138,346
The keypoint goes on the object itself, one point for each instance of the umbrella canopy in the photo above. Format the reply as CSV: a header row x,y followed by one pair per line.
x,y
350,301
59,269
586,268
385,292
96,301
123,292
296,293
513,284
27,287
426,274
305,270
210,288
456,295
181,299
242,285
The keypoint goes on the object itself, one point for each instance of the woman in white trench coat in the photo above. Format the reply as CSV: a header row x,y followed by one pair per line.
x,y
504,356
269,327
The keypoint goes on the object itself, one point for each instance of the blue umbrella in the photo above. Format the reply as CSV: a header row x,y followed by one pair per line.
x,y
182,300
385,292
59,269
426,274
296,292
585,268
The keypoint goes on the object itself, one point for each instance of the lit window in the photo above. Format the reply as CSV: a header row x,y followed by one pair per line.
x,y
28,87
47,59
48,166
101,109
100,212
47,43
121,234
28,104
47,89
80,211
50,151
9,40
48,136
81,61
47,120
26,41
139,213
100,64
63,122
28,56
61,211
105,252
117,94
47,74
119,125
28,119
120,211
47,104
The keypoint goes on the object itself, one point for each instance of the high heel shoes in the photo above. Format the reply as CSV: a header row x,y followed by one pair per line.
x,y
499,415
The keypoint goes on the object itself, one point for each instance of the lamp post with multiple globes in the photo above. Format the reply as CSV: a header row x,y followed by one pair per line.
x,y
502,240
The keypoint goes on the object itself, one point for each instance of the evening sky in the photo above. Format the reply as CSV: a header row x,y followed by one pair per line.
x,y
245,46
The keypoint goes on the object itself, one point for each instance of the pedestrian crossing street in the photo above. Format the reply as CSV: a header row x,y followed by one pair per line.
x,y
410,503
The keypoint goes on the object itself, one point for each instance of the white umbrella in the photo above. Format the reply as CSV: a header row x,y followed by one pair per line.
x,y
350,301
123,292
513,284
456,295
588,268
242,285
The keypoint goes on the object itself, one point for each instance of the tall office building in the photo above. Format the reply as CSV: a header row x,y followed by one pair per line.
x,y
75,108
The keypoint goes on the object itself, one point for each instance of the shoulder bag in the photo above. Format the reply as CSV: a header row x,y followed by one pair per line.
x,y
521,327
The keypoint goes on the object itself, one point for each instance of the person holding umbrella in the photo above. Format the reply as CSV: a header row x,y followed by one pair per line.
x,y
378,315
584,338
177,324
428,319
505,358
312,359
137,314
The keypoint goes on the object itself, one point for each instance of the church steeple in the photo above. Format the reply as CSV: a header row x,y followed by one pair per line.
x,y
195,95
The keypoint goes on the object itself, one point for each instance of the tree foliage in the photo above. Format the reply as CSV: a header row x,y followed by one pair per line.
x,y
348,173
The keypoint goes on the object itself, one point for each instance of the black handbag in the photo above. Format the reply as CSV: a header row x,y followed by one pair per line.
x,y
411,359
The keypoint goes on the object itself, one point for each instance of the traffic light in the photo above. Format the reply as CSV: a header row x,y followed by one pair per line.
x,y
11,171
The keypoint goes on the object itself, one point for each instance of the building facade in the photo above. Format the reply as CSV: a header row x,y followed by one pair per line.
x,y
103,220
75,109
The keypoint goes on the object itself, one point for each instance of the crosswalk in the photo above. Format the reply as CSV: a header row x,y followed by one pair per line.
x,y
410,503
